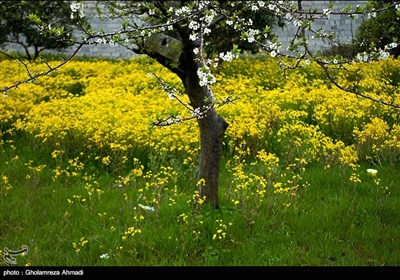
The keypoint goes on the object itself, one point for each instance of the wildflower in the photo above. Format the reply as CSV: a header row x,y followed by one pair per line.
x,y
145,207
372,172
104,256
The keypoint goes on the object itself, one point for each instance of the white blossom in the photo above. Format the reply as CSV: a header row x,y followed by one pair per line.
x,y
272,7
193,36
390,46
383,54
196,112
250,35
77,8
194,25
101,41
373,14
229,56
327,12
196,50
362,57
288,16
254,8
208,18
182,10
229,22
205,77
296,23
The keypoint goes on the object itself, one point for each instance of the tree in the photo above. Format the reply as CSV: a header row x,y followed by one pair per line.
x,y
17,26
177,33
380,30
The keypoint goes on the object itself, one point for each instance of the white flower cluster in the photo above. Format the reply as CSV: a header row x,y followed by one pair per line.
x,y
193,36
373,14
326,12
383,54
363,57
205,77
397,7
197,113
182,11
254,7
208,18
273,47
391,46
202,4
101,41
251,33
170,121
194,25
380,55
228,56
77,8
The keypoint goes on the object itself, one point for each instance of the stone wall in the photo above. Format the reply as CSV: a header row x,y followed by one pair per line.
x,y
343,26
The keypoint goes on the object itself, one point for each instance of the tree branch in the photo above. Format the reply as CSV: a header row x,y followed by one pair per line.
x,y
40,74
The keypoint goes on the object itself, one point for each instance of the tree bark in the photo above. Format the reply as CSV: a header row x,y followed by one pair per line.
x,y
212,131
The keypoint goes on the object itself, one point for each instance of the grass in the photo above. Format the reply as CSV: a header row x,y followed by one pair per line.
x,y
330,222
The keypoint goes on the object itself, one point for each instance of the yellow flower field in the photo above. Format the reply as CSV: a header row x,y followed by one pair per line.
x,y
107,108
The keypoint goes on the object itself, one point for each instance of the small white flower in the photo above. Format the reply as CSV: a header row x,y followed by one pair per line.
x,y
371,171
390,46
194,25
104,256
193,37
145,207
77,8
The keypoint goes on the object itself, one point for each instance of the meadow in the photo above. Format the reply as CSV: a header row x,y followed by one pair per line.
x,y
309,175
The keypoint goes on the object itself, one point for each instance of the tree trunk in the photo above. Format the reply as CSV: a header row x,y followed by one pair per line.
x,y
169,52
212,130
212,126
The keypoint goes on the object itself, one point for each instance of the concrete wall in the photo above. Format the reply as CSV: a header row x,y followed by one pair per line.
x,y
343,26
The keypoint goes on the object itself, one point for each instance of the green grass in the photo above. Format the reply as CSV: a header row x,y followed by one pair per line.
x,y
331,222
